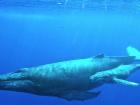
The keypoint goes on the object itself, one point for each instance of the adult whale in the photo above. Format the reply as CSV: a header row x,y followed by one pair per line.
x,y
72,79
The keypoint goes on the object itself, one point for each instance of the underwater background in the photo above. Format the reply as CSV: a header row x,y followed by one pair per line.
x,y
37,32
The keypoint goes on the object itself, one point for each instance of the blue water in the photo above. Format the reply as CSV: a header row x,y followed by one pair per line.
x,y
34,37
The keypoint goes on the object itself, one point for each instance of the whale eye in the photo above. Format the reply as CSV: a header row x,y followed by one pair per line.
x,y
21,70
100,56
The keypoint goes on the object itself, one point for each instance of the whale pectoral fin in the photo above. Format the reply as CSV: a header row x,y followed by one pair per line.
x,y
81,96
125,82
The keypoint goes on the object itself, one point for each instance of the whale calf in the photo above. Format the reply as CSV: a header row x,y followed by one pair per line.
x,y
71,80
117,75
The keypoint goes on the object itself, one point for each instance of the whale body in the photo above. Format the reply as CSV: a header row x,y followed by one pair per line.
x,y
70,80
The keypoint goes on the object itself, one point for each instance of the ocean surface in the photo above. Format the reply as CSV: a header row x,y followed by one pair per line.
x,y
36,32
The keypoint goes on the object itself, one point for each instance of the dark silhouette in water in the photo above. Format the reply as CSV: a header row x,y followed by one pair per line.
x,y
72,79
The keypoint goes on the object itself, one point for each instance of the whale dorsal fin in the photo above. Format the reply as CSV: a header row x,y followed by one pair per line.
x,y
125,82
99,56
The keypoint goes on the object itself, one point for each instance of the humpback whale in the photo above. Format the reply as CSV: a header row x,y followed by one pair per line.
x,y
72,80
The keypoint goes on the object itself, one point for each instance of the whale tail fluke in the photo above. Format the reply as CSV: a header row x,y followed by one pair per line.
x,y
133,52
